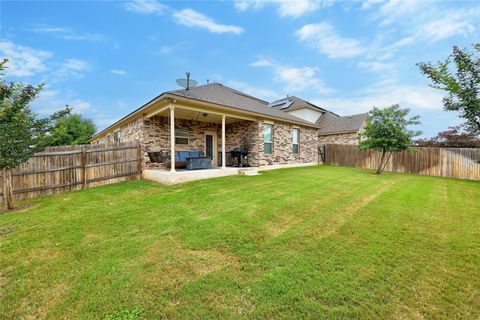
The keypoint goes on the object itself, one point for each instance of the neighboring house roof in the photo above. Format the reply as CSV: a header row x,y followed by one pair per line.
x,y
290,103
330,123
223,95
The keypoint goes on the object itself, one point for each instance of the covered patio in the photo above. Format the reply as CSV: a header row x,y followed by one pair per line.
x,y
181,176
184,136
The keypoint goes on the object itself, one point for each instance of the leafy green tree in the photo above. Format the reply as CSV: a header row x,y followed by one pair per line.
x,y
387,131
71,129
459,76
21,132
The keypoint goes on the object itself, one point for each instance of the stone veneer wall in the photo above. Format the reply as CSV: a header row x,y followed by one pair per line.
x,y
154,135
132,131
342,138
244,134
283,146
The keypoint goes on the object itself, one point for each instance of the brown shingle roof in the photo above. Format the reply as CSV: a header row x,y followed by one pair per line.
x,y
223,95
330,123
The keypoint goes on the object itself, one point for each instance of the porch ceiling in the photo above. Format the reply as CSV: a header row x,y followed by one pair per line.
x,y
203,116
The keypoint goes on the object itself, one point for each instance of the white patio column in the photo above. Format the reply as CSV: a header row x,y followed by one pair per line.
x,y
172,139
224,166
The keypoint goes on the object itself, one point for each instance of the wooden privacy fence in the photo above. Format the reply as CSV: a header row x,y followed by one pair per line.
x,y
460,163
60,169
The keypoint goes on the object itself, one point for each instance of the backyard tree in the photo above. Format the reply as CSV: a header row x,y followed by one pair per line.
x,y
459,76
21,131
454,137
387,131
71,129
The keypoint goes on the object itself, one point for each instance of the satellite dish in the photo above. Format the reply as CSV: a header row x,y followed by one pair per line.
x,y
187,83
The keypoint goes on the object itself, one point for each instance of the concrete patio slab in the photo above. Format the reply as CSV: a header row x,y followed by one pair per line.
x,y
181,176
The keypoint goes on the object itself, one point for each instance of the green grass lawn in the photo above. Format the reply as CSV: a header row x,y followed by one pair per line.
x,y
317,242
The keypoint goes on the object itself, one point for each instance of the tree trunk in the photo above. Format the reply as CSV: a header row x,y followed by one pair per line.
x,y
386,161
380,164
7,189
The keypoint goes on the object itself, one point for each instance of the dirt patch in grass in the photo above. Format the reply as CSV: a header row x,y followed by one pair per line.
x,y
90,238
3,284
41,254
166,264
6,229
39,307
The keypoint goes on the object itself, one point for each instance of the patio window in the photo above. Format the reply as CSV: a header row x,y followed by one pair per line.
x,y
295,140
117,136
267,138
181,136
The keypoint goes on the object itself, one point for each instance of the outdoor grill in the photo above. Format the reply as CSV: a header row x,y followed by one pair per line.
x,y
240,154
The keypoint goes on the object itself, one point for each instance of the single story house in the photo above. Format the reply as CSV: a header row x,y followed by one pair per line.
x,y
215,119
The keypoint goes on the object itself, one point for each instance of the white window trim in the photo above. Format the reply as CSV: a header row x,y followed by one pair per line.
x,y
298,141
182,137
271,137
115,134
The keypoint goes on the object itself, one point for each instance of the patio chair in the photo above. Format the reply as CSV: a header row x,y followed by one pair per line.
x,y
153,157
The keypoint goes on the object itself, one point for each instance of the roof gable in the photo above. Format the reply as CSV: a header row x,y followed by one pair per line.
x,y
331,123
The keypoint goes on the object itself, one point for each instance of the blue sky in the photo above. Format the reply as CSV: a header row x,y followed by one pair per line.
x,y
106,58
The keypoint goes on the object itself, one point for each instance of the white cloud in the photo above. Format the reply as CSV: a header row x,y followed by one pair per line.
x,y
286,8
53,100
368,3
192,18
146,6
122,104
261,63
23,61
426,19
295,79
326,39
297,8
168,49
453,24
76,65
50,101
119,72
384,94
376,66
243,5
265,94
187,17
70,69
394,10
68,34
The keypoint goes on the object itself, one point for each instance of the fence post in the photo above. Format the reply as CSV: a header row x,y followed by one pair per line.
x,y
84,167
8,189
139,160
325,153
